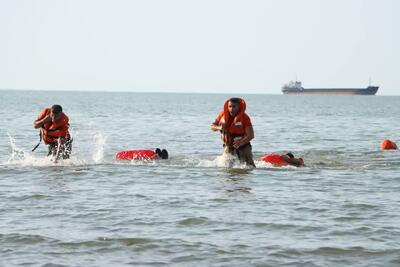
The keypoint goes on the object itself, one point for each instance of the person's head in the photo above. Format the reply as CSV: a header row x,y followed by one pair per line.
x,y
290,155
234,106
55,113
163,154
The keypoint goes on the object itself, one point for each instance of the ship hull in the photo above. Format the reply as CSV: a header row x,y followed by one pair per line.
x,y
371,90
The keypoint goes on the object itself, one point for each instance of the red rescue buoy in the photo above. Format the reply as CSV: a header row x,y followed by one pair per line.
x,y
387,144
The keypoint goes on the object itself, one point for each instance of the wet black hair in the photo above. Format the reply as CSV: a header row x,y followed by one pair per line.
x,y
162,153
235,100
290,155
57,109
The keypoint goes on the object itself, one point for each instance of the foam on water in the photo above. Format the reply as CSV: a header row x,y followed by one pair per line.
x,y
224,161
227,160
266,165
315,159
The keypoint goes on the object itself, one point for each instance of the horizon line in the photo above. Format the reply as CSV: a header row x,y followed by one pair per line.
x,y
140,92
126,91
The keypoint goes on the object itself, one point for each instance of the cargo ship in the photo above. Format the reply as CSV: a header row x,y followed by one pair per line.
x,y
295,88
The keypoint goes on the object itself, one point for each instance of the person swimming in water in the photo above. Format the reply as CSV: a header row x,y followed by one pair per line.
x,y
142,154
161,153
283,160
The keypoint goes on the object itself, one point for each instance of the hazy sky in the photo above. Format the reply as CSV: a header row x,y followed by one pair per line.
x,y
199,46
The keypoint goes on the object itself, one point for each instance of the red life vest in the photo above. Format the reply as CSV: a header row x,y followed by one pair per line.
x,y
274,159
51,131
138,154
234,126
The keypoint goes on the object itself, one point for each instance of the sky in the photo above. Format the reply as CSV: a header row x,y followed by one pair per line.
x,y
217,46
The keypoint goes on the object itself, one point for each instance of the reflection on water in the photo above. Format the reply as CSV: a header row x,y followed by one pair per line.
x,y
239,189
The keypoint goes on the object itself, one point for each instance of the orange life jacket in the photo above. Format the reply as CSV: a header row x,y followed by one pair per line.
x,y
51,131
274,159
138,154
234,126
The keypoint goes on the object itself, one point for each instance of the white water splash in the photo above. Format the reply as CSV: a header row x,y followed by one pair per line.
x,y
260,164
225,160
232,161
99,143
19,157
16,153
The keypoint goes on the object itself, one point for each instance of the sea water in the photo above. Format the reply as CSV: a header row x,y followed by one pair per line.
x,y
197,209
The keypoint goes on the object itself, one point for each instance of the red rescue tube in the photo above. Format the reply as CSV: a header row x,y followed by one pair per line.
x,y
387,144
138,154
274,159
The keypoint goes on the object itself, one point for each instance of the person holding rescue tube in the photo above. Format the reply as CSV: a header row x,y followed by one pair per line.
x,y
236,130
54,124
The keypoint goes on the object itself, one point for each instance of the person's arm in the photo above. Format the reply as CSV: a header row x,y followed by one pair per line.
x,y
248,136
39,122
217,127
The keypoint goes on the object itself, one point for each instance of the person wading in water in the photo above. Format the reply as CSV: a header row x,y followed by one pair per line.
x,y
236,130
54,124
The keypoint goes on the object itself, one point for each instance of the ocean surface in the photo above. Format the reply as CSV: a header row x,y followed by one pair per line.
x,y
342,209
